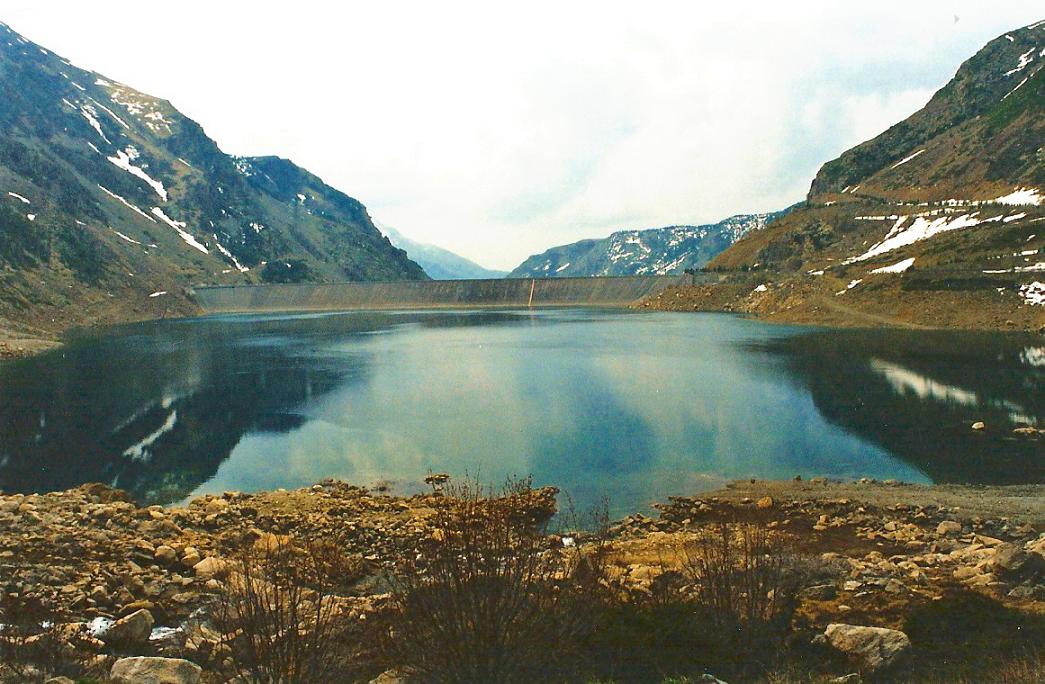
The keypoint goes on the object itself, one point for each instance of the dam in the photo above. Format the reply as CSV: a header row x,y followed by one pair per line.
x,y
420,294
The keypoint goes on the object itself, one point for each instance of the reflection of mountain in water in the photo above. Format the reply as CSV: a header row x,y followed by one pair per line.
x,y
90,413
917,394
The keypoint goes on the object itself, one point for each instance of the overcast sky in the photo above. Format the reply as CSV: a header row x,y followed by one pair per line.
x,y
500,129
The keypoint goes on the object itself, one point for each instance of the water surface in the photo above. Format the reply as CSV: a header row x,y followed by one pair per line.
x,y
634,406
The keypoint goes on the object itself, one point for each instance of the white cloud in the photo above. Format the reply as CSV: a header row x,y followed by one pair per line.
x,y
497,131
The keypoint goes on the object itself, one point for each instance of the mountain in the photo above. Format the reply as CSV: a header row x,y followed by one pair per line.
x,y
658,251
935,221
439,263
112,203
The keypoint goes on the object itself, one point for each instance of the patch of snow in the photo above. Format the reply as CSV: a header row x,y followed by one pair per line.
x,y
1025,59
301,198
158,294
815,273
228,254
102,82
1034,293
898,267
1021,196
111,113
1011,39
78,86
906,159
564,266
1018,86
185,162
128,239
91,114
1036,25
179,227
850,286
99,626
761,288
1014,217
921,229
31,217
123,160
112,194
18,197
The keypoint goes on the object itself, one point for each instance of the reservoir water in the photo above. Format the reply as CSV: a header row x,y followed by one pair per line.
x,y
632,406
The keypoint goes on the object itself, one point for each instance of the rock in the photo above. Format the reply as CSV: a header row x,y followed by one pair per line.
x,y
209,567
873,647
389,677
852,678
820,592
765,502
190,557
131,630
216,506
145,670
165,555
59,680
1011,562
978,425
949,528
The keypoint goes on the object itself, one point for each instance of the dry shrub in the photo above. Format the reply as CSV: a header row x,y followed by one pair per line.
x,y
747,579
489,598
35,644
280,619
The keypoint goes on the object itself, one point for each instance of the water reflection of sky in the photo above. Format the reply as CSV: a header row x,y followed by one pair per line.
x,y
633,406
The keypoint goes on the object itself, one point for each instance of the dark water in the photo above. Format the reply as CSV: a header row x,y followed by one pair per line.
x,y
633,406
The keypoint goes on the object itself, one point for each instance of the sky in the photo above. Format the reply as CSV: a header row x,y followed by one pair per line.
x,y
500,129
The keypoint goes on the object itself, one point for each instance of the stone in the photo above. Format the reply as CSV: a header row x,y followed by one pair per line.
x,y
190,557
820,592
165,555
978,425
852,678
765,502
873,647
209,567
131,630
146,670
949,528
389,677
1010,561
59,680
216,506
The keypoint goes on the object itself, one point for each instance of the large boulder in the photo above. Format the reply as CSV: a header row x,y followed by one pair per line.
x,y
872,647
145,670
130,630
1011,562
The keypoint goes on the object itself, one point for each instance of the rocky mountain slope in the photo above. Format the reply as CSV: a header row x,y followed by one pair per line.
x,y
944,208
112,203
658,251
439,263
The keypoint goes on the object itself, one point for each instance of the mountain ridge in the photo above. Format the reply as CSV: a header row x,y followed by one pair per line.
x,y
652,251
439,262
113,204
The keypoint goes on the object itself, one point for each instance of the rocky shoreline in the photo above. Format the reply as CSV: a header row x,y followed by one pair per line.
x,y
148,574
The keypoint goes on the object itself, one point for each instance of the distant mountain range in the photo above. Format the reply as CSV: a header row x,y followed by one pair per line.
x,y
657,251
439,263
112,203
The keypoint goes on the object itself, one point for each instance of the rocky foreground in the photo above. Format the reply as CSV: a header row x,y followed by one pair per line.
x,y
97,557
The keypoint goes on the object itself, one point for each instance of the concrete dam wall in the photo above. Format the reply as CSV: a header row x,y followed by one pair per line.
x,y
507,292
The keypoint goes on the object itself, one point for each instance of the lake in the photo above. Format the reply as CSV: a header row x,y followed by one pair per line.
x,y
634,406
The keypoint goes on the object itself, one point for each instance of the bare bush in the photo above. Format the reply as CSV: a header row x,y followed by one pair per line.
x,y
279,619
745,581
35,644
490,598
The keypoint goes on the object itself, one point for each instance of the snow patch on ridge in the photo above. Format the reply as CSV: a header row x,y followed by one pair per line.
x,y
906,159
179,227
123,160
898,267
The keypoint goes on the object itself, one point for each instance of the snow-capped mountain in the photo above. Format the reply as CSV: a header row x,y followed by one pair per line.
x,y
657,251
112,203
